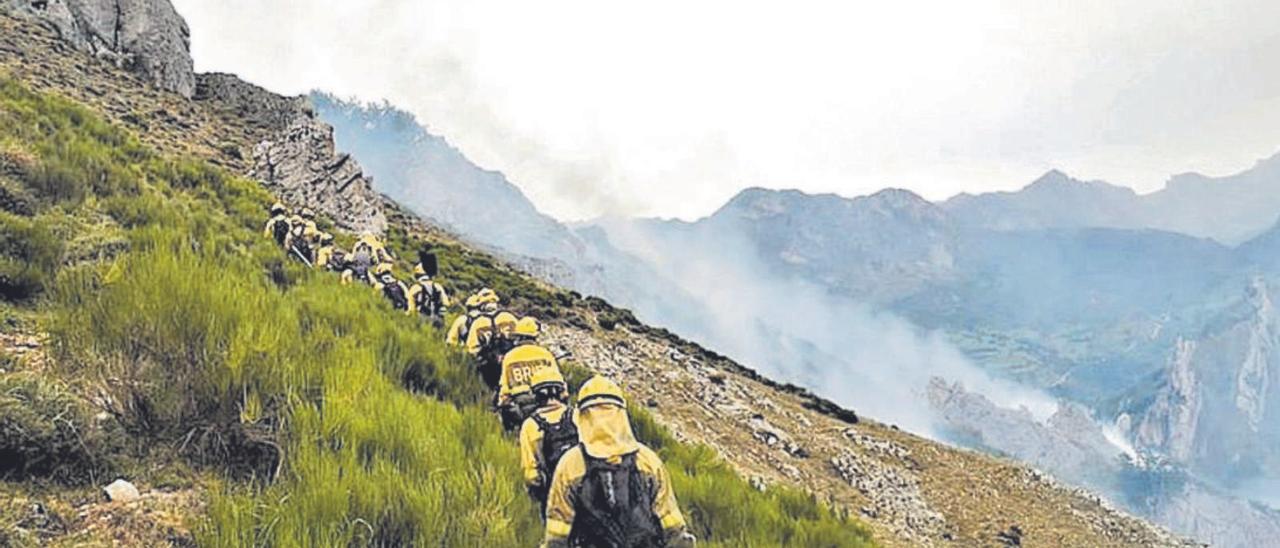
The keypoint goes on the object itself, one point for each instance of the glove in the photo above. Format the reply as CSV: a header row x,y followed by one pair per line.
x,y
681,538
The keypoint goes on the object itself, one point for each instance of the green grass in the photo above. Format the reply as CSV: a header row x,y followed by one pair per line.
x,y
331,419
45,432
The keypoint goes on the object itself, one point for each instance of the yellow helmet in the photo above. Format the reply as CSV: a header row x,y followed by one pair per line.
x,y
308,214
382,268
546,376
418,270
370,239
295,220
527,327
473,302
488,296
326,238
600,391
278,209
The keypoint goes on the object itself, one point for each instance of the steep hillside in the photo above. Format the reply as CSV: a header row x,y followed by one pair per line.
x,y
281,408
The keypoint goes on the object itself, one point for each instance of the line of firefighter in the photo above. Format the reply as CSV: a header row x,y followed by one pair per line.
x,y
597,485
369,262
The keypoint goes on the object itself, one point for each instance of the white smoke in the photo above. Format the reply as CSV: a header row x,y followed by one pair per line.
x,y
792,330
1117,437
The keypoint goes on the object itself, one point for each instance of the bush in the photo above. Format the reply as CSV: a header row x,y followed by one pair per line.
x,y
46,432
30,253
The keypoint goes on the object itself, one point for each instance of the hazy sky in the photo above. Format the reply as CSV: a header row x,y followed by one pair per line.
x,y
668,108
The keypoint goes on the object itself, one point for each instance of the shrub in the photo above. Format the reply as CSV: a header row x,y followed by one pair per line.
x,y
48,433
30,253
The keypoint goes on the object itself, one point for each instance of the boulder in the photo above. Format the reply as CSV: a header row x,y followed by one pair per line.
x,y
147,37
121,491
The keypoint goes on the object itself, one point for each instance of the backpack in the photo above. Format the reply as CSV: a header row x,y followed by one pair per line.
x,y
337,261
557,439
465,328
428,300
492,351
280,229
615,506
302,247
395,292
361,262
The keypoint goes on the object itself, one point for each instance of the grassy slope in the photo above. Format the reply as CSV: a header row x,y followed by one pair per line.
x,y
328,418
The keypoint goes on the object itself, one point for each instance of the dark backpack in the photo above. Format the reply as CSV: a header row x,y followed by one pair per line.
x,y
338,261
280,230
361,262
615,507
492,351
395,292
302,247
427,301
557,439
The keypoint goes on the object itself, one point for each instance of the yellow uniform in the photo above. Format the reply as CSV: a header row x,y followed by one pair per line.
x,y
323,256
576,506
455,335
531,458
518,367
396,292
485,327
269,230
437,289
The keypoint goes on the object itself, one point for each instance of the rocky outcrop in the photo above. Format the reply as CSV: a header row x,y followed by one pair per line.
x,y
303,168
1214,412
276,139
253,104
1072,445
146,37
1069,444
1169,426
1218,520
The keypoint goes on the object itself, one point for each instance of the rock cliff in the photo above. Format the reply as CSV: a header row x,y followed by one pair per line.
x,y
146,37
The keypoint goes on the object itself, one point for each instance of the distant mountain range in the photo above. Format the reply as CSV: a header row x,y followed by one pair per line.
x,y
1150,312
1228,209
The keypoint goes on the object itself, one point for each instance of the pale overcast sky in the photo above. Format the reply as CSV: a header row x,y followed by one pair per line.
x,y
668,108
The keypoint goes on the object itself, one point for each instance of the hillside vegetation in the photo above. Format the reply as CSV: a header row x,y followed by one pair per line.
x,y
310,412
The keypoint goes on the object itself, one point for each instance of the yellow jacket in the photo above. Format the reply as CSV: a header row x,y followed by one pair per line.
x,y
518,366
483,328
531,443
380,287
266,230
454,336
418,287
606,434
323,255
